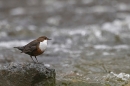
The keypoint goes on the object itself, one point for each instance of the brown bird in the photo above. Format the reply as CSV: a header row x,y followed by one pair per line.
x,y
35,47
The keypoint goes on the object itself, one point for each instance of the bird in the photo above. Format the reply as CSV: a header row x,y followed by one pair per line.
x,y
35,47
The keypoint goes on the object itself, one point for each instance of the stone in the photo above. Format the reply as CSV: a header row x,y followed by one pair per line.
x,y
26,74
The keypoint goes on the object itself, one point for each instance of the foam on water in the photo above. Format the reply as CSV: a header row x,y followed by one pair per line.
x,y
111,47
10,44
122,76
17,11
3,34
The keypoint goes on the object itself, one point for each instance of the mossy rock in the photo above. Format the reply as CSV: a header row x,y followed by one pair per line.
x,y
26,74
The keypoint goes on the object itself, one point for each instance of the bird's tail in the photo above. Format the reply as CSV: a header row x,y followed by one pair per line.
x,y
20,48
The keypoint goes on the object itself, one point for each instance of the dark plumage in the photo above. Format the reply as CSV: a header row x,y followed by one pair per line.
x,y
35,47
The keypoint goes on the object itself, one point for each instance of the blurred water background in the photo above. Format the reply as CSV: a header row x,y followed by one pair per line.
x,y
89,37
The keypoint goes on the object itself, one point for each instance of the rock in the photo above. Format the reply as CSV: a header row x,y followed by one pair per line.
x,y
26,74
77,83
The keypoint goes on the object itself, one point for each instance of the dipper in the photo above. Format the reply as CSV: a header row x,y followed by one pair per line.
x,y
35,47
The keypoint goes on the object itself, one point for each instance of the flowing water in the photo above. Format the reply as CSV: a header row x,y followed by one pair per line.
x,y
89,37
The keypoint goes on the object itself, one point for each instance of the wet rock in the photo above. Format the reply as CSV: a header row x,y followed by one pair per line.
x,y
77,83
113,79
26,74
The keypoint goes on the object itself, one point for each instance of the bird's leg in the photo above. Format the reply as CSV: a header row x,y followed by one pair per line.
x,y
32,58
36,58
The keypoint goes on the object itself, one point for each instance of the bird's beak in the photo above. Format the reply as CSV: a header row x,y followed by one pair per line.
x,y
48,39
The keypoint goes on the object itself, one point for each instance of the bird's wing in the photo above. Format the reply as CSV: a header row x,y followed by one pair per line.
x,y
32,43
30,47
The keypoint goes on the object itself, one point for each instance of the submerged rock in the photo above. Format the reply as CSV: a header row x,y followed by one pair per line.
x,y
26,74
